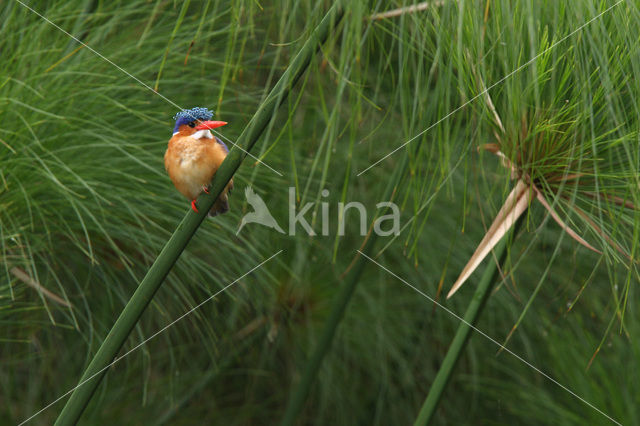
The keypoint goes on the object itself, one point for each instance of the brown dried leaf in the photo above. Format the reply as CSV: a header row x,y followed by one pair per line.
x,y
493,148
25,278
601,232
516,203
613,198
560,222
407,9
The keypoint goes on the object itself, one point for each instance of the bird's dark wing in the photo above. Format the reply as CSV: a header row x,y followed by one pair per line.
x,y
222,143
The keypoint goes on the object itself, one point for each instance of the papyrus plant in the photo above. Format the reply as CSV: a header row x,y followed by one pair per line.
x,y
569,142
567,154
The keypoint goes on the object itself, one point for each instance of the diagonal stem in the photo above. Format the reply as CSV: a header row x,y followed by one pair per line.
x,y
338,306
185,230
463,333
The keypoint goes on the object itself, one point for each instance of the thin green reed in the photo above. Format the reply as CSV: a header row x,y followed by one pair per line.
x,y
338,307
461,338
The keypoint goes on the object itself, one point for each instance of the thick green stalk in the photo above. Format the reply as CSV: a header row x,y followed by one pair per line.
x,y
463,333
181,236
338,307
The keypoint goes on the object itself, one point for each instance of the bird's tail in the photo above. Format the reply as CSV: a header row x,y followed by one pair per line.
x,y
221,206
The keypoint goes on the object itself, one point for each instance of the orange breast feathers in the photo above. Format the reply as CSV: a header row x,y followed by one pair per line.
x,y
191,163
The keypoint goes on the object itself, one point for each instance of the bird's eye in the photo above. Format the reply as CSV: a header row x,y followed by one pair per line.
x,y
192,124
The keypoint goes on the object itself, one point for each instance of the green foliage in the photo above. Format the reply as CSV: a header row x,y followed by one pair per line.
x,y
85,206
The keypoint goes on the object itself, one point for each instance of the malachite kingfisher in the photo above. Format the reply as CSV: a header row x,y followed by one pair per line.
x,y
194,155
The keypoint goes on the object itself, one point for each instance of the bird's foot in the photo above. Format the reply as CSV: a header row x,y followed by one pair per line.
x,y
193,206
205,188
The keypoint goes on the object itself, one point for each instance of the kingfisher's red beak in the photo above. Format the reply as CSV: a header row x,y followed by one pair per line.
x,y
208,125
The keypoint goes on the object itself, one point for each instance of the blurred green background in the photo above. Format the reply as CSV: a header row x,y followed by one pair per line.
x,y
85,206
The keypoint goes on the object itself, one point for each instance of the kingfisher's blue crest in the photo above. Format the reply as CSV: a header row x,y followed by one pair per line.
x,y
186,116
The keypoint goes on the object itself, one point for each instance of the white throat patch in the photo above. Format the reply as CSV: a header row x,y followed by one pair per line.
x,y
202,134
